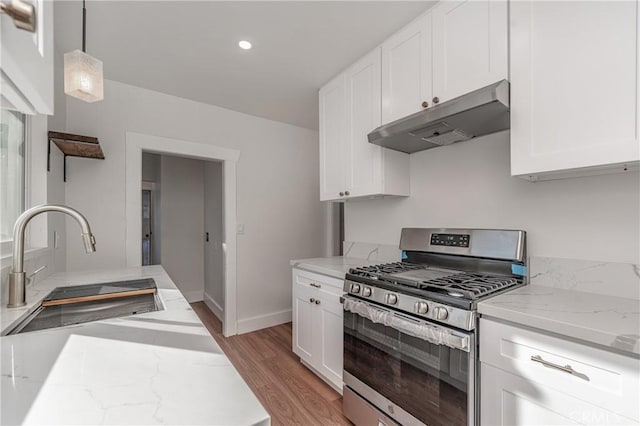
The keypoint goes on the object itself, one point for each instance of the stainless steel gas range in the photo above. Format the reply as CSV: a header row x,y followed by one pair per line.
x,y
410,340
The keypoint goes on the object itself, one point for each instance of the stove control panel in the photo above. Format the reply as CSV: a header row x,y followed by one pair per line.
x,y
453,240
421,307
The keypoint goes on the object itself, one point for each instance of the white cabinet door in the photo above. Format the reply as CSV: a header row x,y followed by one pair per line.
x,y
470,44
333,138
317,324
406,70
510,400
574,86
330,340
303,320
364,174
26,62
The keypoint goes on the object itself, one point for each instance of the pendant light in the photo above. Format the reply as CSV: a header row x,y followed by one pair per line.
x,y
83,73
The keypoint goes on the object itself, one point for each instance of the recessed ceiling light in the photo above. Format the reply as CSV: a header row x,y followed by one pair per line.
x,y
244,44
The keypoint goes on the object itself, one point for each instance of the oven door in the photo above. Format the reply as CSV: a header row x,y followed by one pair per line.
x,y
414,371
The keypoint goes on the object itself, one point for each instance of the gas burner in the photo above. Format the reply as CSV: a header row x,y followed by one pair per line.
x,y
426,279
469,286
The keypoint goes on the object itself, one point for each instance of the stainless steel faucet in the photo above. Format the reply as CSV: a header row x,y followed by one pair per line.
x,y
17,277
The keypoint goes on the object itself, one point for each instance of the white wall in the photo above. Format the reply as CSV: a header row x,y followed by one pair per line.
x,y
55,180
277,195
213,224
468,185
182,224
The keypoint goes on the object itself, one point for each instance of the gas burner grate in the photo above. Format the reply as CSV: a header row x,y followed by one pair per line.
x,y
469,286
385,268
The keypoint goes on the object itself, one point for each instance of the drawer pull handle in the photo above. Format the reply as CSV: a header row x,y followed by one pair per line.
x,y
315,285
565,368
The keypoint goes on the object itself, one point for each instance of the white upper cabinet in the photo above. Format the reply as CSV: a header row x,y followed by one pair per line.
x,y
26,62
333,138
574,87
406,70
350,166
364,173
470,46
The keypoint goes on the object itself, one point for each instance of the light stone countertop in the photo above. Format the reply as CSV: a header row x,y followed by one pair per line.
x,y
157,368
335,266
608,321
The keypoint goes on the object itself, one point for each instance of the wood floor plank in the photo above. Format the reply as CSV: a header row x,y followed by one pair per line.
x,y
290,392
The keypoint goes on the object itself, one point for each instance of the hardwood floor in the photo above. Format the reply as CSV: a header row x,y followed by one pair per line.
x,y
290,392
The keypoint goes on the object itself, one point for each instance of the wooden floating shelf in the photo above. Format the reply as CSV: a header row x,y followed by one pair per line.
x,y
74,146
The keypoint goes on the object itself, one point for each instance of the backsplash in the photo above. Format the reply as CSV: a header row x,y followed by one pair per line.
x,y
371,252
606,278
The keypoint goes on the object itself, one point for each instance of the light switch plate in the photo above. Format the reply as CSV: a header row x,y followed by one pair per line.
x,y
240,228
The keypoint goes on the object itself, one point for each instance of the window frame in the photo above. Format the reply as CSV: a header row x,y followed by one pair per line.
x,y
6,247
25,171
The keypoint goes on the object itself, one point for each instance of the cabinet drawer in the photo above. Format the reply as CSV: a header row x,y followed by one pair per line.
x,y
511,400
602,378
318,281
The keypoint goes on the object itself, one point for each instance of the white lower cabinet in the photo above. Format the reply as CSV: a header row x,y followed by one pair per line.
x,y
532,378
317,324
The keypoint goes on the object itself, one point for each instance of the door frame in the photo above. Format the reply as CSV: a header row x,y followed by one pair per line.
x,y
138,142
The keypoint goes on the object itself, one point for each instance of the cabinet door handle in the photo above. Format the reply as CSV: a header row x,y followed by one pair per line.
x,y
565,368
23,14
425,104
342,194
435,100
312,300
317,302
346,192
315,285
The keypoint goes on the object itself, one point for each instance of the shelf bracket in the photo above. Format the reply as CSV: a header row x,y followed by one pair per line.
x,y
73,146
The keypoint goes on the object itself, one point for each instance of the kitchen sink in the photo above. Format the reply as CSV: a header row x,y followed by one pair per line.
x,y
85,303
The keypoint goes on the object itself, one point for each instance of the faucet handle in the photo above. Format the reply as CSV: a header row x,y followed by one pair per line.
x,y
32,276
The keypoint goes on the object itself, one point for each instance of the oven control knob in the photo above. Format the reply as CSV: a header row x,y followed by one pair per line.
x,y
391,299
355,288
441,313
422,307
366,291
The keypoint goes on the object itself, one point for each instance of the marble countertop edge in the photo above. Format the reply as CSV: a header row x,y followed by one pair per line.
x,y
606,321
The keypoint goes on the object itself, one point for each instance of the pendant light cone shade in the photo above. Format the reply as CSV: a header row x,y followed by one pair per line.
x,y
83,76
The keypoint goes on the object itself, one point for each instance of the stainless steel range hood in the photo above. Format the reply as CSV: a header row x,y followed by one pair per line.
x,y
481,112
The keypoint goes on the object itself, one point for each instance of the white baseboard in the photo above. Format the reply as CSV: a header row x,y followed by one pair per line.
x,y
193,296
248,325
214,307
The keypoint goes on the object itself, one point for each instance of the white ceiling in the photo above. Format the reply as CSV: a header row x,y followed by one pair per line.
x,y
189,49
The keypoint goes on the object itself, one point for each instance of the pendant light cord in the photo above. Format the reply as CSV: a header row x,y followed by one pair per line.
x,y
84,27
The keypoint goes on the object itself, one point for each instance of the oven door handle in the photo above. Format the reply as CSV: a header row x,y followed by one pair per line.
x,y
414,327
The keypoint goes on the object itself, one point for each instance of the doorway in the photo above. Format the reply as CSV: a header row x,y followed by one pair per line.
x,y
188,222
226,159
150,234
147,228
